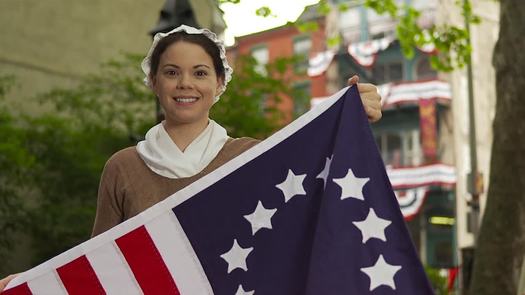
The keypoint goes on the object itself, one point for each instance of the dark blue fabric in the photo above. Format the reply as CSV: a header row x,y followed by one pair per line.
x,y
313,248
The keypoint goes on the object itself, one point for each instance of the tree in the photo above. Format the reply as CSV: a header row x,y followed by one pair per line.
x,y
501,244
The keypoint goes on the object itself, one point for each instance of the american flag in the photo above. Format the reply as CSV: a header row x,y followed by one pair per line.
x,y
310,210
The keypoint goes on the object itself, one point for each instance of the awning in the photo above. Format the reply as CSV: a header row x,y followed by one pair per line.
x,y
411,92
393,94
412,184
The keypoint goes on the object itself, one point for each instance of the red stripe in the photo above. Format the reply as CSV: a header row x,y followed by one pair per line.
x,y
22,289
79,278
146,263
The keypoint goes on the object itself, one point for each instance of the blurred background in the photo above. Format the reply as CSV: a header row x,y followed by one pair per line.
x,y
72,94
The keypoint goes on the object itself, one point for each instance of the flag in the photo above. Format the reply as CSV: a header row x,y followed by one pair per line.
x,y
310,210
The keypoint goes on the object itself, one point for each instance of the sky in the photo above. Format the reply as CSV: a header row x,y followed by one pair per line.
x,y
242,20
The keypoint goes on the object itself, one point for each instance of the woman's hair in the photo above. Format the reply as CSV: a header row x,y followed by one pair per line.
x,y
198,39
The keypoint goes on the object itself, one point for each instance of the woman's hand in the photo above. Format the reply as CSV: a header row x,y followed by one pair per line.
x,y
5,281
370,98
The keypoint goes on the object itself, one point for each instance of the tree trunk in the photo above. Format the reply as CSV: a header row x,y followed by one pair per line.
x,y
501,243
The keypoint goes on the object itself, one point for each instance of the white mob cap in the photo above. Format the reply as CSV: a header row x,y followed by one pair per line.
x,y
189,30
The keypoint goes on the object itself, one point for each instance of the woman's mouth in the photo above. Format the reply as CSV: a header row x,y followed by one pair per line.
x,y
185,99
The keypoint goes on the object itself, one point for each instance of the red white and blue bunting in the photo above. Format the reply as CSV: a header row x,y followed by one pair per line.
x,y
408,93
365,53
411,92
318,64
411,184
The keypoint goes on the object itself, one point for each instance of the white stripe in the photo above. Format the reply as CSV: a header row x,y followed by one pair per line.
x,y
44,269
48,284
314,101
178,255
112,271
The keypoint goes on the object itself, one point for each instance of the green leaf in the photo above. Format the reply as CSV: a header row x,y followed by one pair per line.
x,y
324,8
343,7
307,27
333,41
264,11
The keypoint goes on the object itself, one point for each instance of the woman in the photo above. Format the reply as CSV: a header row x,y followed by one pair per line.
x,y
188,71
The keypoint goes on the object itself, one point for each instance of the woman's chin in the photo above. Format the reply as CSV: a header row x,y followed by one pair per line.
x,y
186,119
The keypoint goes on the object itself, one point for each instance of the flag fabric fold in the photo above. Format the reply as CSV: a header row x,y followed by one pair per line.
x,y
310,210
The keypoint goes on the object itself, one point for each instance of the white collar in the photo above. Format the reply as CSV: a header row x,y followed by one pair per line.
x,y
164,157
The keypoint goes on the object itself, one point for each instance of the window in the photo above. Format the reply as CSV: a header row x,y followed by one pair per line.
x,y
439,215
401,148
387,72
260,53
301,99
424,70
301,48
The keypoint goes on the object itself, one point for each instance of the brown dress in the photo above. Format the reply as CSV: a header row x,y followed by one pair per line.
x,y
128,186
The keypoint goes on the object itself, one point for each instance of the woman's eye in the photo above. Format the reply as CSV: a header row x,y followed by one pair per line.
x,y
201,73
171,73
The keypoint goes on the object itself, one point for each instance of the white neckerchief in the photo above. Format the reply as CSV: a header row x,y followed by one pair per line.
x,y
165,158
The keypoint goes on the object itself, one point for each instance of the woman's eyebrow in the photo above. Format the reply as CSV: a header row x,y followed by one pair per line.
x,y
171,65
198,66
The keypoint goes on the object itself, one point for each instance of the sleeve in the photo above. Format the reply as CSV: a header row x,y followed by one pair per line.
x,y
110,197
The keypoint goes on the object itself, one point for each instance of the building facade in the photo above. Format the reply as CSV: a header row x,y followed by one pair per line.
x,y
289,41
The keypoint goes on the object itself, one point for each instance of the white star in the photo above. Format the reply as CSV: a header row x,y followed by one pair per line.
x,y
381,273
372,226
241,291
352,186
260,218
236,257
324,174
292,185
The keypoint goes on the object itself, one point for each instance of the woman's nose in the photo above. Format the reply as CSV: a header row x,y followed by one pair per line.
x,y
184,81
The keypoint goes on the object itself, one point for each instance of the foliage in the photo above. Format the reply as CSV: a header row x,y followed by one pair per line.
x,y
15,161
451,42
113,98
439,283
248,107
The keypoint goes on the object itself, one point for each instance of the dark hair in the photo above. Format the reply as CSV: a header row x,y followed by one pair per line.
x,y
198,39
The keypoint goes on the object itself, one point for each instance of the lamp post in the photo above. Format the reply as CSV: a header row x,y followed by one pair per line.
x,y
474,178
173,14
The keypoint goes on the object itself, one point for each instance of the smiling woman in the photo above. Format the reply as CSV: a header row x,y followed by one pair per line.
x,y
188,71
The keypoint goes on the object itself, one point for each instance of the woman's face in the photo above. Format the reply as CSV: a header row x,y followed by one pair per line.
x,y
186,83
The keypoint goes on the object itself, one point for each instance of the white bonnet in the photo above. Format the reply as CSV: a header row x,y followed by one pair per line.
x,y
189,30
